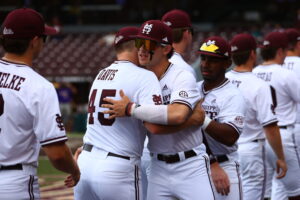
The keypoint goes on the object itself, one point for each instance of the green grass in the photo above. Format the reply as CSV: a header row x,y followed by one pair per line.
x,y
46,168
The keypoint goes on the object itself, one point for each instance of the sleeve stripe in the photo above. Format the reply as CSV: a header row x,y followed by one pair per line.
x,y
53,140
183,102
234,126
269,122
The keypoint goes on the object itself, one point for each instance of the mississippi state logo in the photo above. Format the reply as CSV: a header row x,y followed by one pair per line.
x,y
157,99
59,122
147,28
183,94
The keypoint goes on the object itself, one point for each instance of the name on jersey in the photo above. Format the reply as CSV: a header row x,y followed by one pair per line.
x,y
211,110
267,76
10,81
107,74
236,83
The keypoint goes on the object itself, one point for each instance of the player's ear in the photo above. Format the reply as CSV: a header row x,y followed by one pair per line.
x,y
167,49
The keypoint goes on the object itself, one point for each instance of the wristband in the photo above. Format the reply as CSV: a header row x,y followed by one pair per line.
x,y
212,159
206,122
128,109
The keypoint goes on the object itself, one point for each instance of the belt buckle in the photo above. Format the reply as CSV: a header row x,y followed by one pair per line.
x,y
172,158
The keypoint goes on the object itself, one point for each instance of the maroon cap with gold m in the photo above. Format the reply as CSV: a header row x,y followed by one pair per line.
x,y
215,46
25,23
157,31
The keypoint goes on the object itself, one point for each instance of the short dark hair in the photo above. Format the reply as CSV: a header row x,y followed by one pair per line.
x,y
292,45
177,34
15,46
268,53
240,58
128,45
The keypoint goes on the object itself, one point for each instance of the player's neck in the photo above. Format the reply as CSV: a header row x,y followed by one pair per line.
x,y
209,85
179,48
161,69
20,59
270,62
292,53
243,68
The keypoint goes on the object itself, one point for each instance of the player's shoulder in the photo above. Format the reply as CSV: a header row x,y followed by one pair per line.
x,y
178,71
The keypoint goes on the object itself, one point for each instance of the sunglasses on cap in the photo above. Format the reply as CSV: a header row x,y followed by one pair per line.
x,y
149,45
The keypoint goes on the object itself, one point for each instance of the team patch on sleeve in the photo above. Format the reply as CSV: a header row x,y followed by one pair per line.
x,y
239,120
59,122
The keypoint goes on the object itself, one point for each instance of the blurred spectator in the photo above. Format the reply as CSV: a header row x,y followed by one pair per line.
x,y
65,92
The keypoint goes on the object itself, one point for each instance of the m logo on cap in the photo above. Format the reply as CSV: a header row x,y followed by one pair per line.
x,y
209,46
234,48
147,28
118,38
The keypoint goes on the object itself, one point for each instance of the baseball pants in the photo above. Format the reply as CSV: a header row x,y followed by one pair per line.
x,y
184,180
107,177
291,182
231,167
145,170
19,184
253,170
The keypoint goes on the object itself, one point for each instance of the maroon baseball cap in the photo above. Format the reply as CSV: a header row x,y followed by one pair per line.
x,y
242,42
25,23
155,30
177,19
125,34
293,35
215,46
275,40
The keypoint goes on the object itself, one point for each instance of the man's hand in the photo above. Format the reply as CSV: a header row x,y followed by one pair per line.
x,y
198,116
220,179
72,179
281,168
117,108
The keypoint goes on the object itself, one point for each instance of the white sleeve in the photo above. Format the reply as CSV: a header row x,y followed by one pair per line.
x,y
48,125
233,112
185,90
264,106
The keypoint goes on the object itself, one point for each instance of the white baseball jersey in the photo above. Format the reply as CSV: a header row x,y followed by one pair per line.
x,y
180,63
29,114
257,95
224,104
124,136
293,63
178,86
286,87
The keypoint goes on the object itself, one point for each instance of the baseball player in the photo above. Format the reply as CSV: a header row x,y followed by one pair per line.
x,y
180,23
225,110
292,62
179,164
110,160
29,111
259,118
286,95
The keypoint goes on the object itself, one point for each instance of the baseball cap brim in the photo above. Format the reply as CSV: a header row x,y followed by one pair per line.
x,y
211,54
145,37
50,30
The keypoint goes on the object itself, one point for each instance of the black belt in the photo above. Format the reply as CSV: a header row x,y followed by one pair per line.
x,y
175,157
283,127
221,158
12,167
89,147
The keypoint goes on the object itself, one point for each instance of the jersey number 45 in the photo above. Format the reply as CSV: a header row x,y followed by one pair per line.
x,y
91,107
